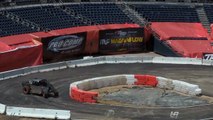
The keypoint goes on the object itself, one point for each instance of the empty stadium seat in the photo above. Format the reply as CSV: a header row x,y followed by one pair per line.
x,y
101,13
166,12
9,27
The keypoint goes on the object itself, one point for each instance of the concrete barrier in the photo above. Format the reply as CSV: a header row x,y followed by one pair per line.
x,y
130,79
83,62
110,59
79,90
177,60
38,113
1,76
147,59
53,66
2,108
97,83
186,88
124,59
146,80
165,83
101,60
12,73
207,62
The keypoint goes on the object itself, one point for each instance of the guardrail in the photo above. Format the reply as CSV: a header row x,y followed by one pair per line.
x,y
102,60
88,62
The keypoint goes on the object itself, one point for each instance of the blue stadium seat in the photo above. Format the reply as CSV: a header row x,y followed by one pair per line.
x,y
101,13
9,27
167,13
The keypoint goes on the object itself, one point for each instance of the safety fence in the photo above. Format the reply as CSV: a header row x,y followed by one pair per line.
x,y
88,61
79,90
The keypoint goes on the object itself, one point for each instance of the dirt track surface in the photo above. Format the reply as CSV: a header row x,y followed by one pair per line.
x,y
11,91
147,97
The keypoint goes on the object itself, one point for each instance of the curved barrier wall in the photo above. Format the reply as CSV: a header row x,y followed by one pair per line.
x,y
79,90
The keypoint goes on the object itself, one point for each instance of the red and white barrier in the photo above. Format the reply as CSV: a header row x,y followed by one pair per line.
x,y
79,90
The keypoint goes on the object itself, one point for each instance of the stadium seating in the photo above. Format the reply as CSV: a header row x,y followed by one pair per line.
x,y
52,17
104,13
47,17
208,10
10,27
166,12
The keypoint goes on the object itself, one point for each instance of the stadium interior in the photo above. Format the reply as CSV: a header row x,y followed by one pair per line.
x,y
126,59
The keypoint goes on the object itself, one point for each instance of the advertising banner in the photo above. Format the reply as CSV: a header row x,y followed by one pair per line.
x,y
60,47
121,40
208,56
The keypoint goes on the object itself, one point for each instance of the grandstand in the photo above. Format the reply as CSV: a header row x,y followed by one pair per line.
x,y
41,18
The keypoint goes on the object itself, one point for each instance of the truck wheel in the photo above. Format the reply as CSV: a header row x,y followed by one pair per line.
x,y
26,90
56,94
45,95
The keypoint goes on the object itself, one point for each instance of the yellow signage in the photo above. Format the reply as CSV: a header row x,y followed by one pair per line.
x,y
127,40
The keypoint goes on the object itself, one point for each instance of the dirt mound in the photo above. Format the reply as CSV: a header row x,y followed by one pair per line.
x,y
145,96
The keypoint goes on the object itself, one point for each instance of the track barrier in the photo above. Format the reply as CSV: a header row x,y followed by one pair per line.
x,y
146,80
79,90
38,113
101,60
86,96
2,108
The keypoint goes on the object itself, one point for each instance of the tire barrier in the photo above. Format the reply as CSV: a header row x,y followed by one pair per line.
x,y
79,90
38,113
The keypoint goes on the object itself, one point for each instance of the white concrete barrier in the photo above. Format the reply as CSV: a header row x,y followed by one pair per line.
x,y
53,66
180,86
165,83
207,62
38,113
177,60
101,60
147,59
2,108
12,73
186,88
99,82
130,79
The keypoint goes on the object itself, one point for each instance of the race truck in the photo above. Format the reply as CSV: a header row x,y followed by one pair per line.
x,y
39,86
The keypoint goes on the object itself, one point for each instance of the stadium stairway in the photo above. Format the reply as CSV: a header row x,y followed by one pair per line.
x,y
71,12
132,14
203,18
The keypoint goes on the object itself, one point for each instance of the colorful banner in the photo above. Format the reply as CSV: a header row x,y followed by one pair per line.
x,y
121,40
61,47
